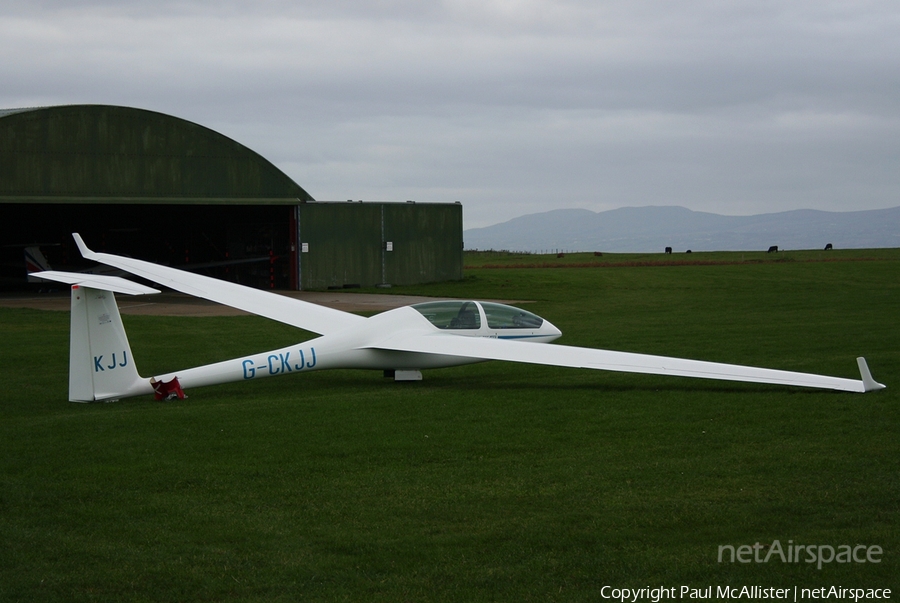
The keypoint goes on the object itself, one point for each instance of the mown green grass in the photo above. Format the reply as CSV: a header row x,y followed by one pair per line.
x,y
481,259
487,482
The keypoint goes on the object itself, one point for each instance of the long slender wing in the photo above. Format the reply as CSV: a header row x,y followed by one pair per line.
x,y
569,356
294,312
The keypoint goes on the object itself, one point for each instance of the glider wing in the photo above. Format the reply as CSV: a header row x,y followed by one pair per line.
x,y
575,357
294,312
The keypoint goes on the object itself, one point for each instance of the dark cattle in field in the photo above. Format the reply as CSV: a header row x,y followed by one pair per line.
x,y
773,249
668,250
688,251
827,247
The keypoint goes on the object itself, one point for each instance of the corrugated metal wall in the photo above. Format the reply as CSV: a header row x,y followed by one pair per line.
x,y
370,244
427,242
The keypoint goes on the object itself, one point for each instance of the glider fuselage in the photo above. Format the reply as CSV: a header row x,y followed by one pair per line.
x,y
354,347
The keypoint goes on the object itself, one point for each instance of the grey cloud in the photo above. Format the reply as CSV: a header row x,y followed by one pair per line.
x,y
507,106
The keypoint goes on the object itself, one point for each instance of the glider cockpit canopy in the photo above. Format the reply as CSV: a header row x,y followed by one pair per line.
x,y
456,314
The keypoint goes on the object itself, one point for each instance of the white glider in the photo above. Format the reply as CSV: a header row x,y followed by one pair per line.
x,y
403,341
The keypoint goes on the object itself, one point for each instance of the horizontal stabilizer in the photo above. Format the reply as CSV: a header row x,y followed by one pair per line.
x,y
96,281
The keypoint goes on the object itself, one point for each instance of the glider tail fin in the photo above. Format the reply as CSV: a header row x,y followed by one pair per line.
x,y
101,366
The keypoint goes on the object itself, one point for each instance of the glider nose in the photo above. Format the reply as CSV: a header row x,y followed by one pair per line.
x,y
550,331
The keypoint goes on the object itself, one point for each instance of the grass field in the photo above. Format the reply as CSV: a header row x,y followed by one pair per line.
x,y
489,482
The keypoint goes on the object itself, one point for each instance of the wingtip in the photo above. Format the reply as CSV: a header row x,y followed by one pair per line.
x,y
869,384
85,252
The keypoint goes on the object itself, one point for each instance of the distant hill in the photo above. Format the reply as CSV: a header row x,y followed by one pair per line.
x,y
649,229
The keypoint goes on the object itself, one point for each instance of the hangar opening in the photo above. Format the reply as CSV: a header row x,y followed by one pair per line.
x,y
149,185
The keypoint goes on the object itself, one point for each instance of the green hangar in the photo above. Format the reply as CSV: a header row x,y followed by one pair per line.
x,y
141,183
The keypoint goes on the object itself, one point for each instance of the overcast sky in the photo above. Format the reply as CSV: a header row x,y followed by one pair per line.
x,y
508,106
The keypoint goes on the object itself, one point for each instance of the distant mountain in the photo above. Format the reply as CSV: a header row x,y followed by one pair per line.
x,y
649,229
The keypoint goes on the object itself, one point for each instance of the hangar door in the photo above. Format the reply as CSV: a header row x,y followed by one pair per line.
x,y
370,244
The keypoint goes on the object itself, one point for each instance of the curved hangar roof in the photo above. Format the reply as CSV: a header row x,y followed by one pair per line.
x,y
102,153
